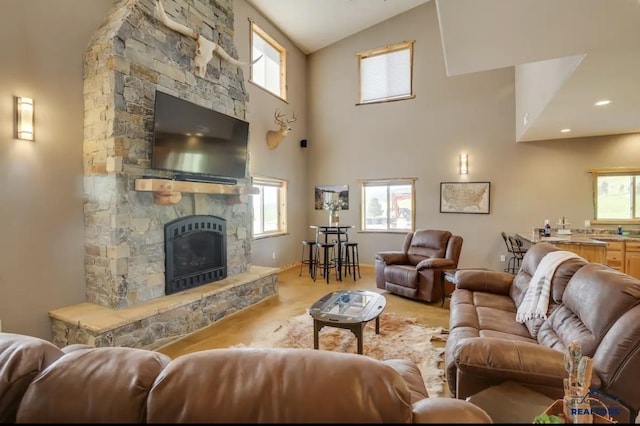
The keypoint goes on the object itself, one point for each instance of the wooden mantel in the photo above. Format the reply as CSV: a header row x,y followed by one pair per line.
x,y
168,191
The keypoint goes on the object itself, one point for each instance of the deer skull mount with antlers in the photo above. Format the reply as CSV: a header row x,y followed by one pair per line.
x,y
274,137
205,48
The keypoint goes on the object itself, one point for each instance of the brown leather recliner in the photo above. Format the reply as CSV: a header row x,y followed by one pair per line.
x,y
40,383
416,270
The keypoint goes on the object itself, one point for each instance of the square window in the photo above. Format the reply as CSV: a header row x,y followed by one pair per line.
x,y
386,74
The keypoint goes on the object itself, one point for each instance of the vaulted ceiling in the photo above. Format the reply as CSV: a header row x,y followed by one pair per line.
x,y
568,54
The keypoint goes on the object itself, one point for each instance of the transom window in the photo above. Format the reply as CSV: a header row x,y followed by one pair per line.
x,y
617,195
270,72
269,207
386,73
388,205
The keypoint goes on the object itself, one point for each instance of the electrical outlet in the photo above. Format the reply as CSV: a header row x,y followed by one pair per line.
x,y
273,255
503,258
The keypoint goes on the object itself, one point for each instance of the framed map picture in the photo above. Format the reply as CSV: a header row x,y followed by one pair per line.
x,y
465,197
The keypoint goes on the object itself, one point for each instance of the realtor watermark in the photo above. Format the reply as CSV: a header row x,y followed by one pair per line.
x,y
600,410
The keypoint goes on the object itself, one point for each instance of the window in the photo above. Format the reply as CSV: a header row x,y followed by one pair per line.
x,y
617,195
269,207
388,205
270,72
386,73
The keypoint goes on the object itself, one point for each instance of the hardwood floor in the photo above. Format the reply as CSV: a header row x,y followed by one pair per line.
x,y
296,295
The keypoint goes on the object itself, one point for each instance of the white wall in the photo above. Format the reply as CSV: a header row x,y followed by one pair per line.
x,y
288,161
422,137
41,206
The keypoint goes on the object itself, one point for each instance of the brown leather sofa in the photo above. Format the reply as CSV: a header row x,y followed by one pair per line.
x,y
416,270
590,303
40,383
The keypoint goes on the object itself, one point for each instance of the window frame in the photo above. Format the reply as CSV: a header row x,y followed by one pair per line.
x,y
256,29
615,171
389,182
282,184
383,51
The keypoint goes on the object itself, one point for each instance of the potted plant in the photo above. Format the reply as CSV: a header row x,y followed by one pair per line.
x,y
334,206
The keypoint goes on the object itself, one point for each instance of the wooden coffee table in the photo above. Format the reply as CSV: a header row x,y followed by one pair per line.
x,y
348,309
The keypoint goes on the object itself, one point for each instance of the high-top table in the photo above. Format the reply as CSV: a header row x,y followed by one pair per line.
x,y
339,231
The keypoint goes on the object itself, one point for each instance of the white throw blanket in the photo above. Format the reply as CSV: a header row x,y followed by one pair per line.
x,y
536,300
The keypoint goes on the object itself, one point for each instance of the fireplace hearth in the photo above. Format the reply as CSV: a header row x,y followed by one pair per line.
x,y
195,252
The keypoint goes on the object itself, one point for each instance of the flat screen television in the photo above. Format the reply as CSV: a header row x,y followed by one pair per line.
x,y
198,143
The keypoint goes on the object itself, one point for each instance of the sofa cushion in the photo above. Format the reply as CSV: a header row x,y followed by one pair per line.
x,y
499,320
596,297
97,385
559,280
494,301
403,275
22,358
428,243
251,385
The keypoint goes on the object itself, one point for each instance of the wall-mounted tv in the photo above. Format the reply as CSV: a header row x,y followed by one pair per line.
x,y
198,143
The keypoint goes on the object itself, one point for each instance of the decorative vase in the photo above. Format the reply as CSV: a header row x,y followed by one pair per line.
x,y
333,219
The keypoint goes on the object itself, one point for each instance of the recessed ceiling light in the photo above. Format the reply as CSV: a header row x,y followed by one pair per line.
x,y
565,130
603,102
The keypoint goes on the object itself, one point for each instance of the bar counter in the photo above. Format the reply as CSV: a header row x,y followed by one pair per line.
x,y
592,249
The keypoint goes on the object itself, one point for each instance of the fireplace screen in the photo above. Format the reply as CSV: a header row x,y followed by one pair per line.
x,y
195,252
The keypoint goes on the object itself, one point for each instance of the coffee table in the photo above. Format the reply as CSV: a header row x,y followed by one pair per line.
x,y
348,309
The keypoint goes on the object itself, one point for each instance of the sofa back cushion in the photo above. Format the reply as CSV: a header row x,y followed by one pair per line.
x,y
427,243
559,281
253,385
595,298
97,385
21,359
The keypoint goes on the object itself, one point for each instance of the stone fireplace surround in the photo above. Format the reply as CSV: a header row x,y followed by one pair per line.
x,y
130,57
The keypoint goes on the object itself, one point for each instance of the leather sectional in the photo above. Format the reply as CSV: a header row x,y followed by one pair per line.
x,y
41,383
590,303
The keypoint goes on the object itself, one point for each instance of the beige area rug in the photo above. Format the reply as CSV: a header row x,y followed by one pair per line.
x,y
399,337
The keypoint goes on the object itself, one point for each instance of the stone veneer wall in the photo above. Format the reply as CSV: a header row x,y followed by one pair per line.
x,y
130,57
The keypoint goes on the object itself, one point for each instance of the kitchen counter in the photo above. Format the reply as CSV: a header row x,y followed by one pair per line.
x,y
577,239
591,249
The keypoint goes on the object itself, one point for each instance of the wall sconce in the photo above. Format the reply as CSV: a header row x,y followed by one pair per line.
x,y
464,164
24,122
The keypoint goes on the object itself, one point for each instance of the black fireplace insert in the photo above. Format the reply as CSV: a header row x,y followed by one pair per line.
x,y
195,252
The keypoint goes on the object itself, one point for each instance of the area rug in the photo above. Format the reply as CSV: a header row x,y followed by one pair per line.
x,y
400,337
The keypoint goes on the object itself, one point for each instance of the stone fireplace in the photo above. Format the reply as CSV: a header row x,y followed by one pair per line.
x,y
127,304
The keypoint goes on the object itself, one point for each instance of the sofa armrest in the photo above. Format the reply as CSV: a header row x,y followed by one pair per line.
x,y
435,263
481,280
519,361
448,410
392,257
410,373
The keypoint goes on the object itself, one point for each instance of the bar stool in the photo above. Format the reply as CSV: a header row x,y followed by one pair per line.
x,y
326,261
351,259
311,244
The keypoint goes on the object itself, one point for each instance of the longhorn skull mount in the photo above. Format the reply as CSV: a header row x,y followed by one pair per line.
x,y
205,48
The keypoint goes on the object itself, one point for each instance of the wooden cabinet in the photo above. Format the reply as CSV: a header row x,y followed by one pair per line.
x,y
591,253
632,259
615,255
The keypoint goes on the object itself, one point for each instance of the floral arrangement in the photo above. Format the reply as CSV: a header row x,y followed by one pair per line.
x,y
334,206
